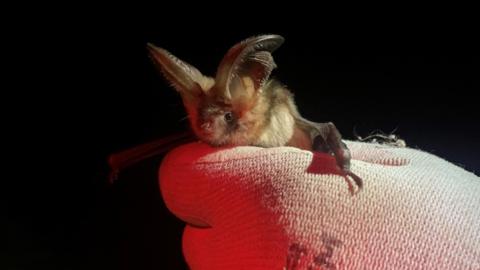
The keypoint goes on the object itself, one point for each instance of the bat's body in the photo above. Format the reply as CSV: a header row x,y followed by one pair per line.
x,y
277,122
242,106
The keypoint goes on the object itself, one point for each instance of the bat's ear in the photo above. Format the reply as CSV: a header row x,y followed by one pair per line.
x,y
185,78
246,66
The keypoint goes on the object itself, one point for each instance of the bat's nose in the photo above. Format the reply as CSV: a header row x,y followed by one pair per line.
x,y
207,126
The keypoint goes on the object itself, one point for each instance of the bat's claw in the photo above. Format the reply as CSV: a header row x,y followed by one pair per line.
x,y
349,175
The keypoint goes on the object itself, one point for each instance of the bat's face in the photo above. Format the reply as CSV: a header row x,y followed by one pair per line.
x,y
224,110
216,123
219,123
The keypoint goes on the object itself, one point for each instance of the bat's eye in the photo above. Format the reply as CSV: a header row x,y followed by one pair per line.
x,y
228,117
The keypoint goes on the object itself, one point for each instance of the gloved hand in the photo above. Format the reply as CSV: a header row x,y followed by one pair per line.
x,y
285,208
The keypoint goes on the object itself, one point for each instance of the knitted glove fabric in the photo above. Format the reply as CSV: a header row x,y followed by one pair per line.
x,y
285,208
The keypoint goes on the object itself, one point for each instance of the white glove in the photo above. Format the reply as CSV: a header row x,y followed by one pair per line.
x,y
285,208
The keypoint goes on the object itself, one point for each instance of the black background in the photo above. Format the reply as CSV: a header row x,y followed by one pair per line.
x,y
88,89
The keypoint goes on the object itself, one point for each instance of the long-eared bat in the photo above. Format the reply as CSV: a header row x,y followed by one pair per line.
x,y
242,105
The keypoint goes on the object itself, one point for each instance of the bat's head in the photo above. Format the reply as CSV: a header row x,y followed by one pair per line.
x,y
228,109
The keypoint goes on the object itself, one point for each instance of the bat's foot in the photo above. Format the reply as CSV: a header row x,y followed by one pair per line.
x,y
330,141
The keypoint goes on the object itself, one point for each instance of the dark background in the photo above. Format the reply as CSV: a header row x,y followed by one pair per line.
x,y
89,90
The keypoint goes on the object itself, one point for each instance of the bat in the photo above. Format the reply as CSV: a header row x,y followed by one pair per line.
x,y
242,105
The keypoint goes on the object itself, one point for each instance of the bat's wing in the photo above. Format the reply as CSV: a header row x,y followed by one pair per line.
x,y
121,160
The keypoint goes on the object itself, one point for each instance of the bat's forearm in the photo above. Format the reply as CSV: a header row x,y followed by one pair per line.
x,y
123,159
